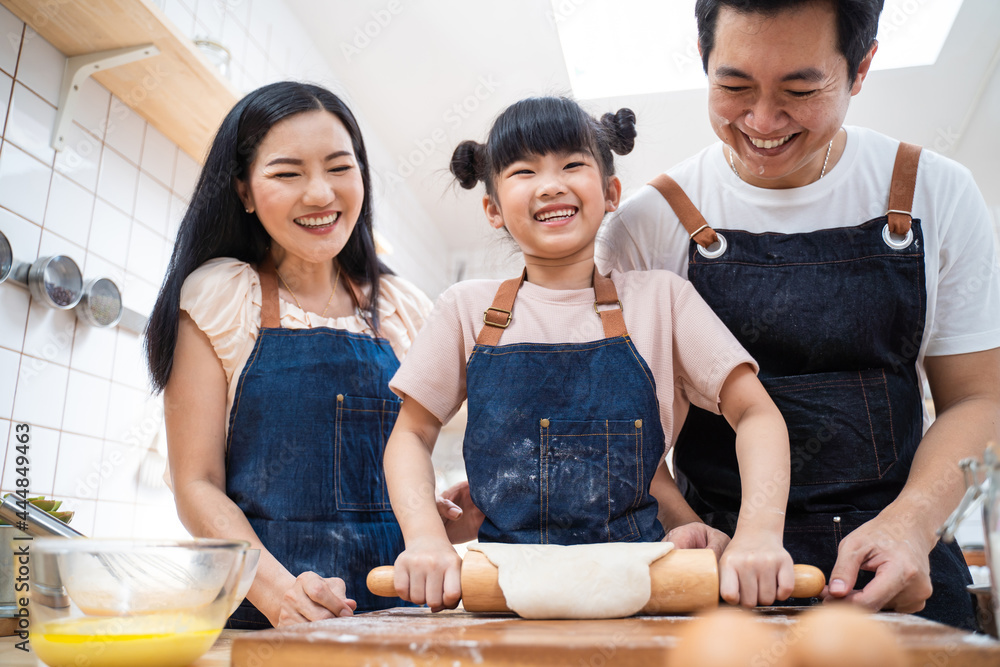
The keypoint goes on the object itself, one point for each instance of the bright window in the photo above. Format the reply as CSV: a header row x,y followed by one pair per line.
x,y
629,47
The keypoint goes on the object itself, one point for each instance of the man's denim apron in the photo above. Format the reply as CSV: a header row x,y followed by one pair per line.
x,y
835,319
307,430
562,440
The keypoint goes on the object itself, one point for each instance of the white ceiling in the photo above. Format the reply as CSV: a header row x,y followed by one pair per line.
x,y
435,72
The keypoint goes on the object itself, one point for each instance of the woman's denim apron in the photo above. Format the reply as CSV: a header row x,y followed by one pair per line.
x,y
562,440
307,430
835,319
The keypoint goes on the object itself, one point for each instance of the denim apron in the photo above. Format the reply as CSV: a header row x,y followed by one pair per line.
x,y
835,319
307,430
562,440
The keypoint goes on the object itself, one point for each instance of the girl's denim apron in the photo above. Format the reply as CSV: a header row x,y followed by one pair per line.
x,y
562,440
835,319
307,430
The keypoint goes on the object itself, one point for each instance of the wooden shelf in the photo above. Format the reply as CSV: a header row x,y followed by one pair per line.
x,y
178,92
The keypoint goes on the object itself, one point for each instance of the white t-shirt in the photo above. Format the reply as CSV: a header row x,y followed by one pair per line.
x,y
689,351
961,267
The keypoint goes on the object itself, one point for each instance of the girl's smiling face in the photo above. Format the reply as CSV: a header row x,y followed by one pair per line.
x,y
305,185
553,204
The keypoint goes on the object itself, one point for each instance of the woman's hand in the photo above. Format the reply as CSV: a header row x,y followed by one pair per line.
x,y
755,570
460,515
429,572
313,598
698,535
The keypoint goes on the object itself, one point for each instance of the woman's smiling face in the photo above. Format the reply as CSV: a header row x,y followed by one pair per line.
x,y
305,185
779,91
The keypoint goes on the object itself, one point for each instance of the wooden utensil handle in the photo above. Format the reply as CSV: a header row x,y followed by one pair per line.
x,y
684,580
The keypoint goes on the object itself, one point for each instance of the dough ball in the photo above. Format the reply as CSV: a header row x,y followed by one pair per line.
x,y
725,637
834,635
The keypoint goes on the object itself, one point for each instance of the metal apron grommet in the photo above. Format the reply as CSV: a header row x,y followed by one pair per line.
x,y
714,250
895,241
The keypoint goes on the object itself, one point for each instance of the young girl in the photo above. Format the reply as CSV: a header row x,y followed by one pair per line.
x,y
574,380
273,339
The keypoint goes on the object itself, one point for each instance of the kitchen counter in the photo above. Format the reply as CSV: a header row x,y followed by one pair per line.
x,y
414,636
217,656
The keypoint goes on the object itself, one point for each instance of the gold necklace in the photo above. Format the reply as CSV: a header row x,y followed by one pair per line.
x,y
336,282
822,173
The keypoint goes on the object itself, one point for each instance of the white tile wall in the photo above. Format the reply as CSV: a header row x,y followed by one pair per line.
x,y
70,209
78,470
125,131
9,361
152,204
10,26
23,235
109,233
117,181
81,157
6,86
158,157
24,183
30,124
92,107
86,404
41,392
122,483
14,306
42,454
94,350
49,334
41,66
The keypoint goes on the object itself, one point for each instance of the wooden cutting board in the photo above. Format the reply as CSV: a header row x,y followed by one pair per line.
x,y
414,636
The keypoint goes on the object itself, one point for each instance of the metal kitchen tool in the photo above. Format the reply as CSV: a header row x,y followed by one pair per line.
x,y
982,481
56,281
101,303
6,258
47,587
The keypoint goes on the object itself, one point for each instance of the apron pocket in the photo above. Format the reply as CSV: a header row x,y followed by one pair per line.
x,y
592,481
362,428
840,425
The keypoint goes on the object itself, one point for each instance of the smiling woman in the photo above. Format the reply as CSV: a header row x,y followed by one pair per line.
x,y
280,219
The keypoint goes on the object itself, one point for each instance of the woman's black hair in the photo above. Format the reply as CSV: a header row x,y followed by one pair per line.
x,y
857,24
217,225
538,126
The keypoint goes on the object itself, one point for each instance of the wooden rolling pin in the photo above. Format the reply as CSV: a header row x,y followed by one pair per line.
x,y
683,580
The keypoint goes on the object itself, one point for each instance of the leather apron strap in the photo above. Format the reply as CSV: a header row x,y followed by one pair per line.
x,y
904,182
691,218
498,316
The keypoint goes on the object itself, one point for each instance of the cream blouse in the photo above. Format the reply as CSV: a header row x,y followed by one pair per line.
x,y
223,297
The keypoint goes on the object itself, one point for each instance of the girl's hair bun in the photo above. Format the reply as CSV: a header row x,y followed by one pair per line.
x,y
468,163
619,129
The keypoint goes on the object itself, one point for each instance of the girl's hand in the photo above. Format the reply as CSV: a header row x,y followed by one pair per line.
x,y
697,535
755,570
429,572
312,598
460,515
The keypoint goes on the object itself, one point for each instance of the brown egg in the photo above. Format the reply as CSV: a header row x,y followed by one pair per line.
x,y
834,635
725,637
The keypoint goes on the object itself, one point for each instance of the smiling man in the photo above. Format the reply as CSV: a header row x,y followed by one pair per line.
x,y
852,267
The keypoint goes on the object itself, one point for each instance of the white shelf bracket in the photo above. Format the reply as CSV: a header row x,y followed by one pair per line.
x,y
78,68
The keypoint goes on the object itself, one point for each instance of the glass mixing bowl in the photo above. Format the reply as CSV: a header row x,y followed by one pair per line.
x,y
123,603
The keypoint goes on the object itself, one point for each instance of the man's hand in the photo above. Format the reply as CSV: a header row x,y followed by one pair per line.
x,y
901,565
